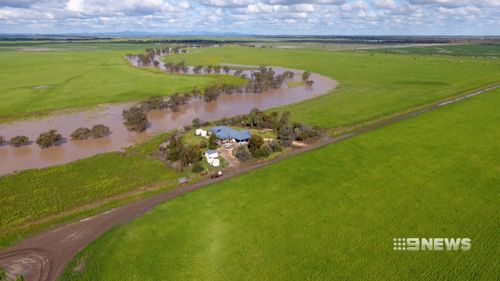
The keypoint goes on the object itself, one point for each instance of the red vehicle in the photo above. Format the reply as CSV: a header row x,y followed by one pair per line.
x,y
216,175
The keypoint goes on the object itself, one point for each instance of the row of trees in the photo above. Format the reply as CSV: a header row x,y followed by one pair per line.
x,y
53,137
151,56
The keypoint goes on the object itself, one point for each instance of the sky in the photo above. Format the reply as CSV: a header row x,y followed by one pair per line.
x,y
266,17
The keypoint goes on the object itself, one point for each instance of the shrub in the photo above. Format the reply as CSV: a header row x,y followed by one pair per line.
x,y
242,153
49,139
197,168
80,134
100,131
255,143
135,119
304,132
275,146
20,278
2,140
263,151
18,141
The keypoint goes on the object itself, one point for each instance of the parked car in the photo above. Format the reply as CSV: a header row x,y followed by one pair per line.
x,y
216,175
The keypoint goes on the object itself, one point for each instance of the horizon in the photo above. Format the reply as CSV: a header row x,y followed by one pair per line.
x,y
245,17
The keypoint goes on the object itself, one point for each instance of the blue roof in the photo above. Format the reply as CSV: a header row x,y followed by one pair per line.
x,y
224,132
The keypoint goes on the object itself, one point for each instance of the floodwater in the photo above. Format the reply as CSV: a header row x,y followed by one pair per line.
x,y
14,159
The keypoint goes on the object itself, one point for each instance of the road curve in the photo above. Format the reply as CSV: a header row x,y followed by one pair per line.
x,y
43,257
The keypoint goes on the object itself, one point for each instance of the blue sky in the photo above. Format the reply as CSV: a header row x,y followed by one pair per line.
x,y
328,17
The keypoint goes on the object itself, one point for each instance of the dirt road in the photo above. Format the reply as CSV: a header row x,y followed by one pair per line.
x,y
43,257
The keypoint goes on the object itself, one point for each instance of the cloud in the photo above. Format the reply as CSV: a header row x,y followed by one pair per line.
x,y
253,16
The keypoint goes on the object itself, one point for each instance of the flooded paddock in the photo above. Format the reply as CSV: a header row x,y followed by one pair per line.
x,y
31,156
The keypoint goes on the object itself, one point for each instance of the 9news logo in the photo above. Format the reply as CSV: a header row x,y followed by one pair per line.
x,y
431,244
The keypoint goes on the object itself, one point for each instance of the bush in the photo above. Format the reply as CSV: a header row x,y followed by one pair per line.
x,y
196,123
2,140
3,275
255,143
20,278
135,119
263,151
80,134
100,131
153,103
242,153
197,168
303,132
212,142
18,141
275,146
49,139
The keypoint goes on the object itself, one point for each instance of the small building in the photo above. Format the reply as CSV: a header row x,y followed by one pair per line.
x,y
201,132
212,156
216,162
225,133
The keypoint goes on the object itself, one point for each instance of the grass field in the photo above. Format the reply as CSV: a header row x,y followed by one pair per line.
x,y
489,51
372,85
437,175
37,194
82,75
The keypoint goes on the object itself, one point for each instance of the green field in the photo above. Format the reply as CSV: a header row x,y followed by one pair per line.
x,y
83,75
489,51
372,85
331,214
33,195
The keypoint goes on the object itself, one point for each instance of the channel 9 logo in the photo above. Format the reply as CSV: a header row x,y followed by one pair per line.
x,y
431,244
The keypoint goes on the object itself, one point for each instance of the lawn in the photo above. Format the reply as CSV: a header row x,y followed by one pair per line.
x,y
372,85
30,196
82,76
331,214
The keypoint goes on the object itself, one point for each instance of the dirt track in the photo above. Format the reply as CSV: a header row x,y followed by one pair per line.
x,y
44,256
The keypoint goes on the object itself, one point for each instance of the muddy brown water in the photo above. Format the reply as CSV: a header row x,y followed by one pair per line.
x,y
14,159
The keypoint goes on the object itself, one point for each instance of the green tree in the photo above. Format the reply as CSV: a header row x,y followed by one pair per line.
x,y
212,141
306,75
80,134
18,141
135,119
242,153
100,131
255,142
285,130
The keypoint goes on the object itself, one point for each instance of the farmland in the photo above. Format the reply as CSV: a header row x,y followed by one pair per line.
x,y
371,84
32,196
296,220
43,78
486,51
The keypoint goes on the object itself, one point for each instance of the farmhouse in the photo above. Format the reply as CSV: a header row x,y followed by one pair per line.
x,y
225,133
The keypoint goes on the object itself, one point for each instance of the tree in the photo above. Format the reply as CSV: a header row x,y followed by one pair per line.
x,y
135,119
18,141
263,151
225,69
100,131
80,134
306,75
190,154
285,130
48,139
175,147
196,123
197,168
242,153
2,140
255,143
212,142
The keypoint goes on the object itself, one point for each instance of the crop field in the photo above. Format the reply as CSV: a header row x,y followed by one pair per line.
x,y
32,195
488,51
41,78
297,220
371,84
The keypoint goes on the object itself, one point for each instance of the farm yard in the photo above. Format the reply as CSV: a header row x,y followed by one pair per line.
x,y
335,221
347,200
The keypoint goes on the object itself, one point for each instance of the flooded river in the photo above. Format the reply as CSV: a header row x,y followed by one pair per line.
x,y
16,159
